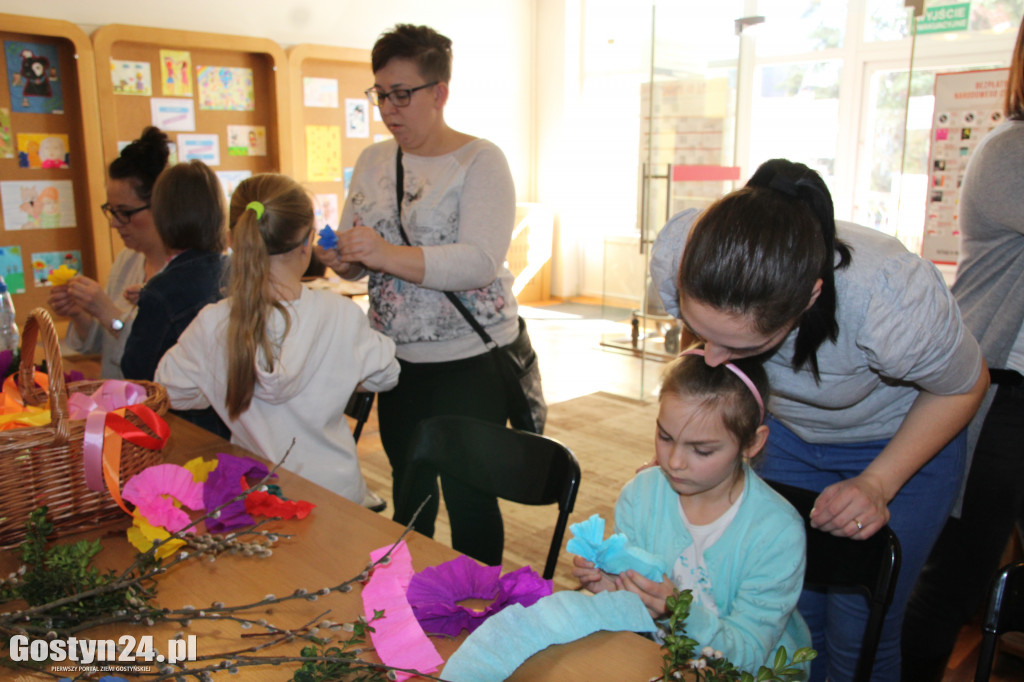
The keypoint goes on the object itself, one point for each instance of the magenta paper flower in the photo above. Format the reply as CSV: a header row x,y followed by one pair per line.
x,y
225,482
434,593
154,490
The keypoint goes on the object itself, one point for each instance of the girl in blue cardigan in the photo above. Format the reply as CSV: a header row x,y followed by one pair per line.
x,y
719,529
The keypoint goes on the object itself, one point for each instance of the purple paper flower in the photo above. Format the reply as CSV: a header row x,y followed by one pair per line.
x,y
224,483
434,593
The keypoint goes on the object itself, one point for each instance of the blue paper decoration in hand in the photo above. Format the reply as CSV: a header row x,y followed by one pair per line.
x,y
613,555
328,240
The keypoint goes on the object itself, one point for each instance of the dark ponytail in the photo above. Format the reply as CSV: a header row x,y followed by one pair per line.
x,y
819,321
142,161
758,251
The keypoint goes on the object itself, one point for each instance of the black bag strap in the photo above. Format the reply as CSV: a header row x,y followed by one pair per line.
x,y
459,305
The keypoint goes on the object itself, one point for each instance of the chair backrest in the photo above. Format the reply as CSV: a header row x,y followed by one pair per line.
x,y
518,466
1004,613
870,566
359,405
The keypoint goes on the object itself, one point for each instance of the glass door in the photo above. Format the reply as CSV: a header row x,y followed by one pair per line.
x,y
687,112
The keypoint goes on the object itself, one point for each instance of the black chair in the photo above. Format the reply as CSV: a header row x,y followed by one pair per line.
x,y
513,465
359,405
1004,613
870,566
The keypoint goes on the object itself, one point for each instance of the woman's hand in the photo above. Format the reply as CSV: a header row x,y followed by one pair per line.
x,y
363,245
89,295
61,302
652,594
131,293
855,508
591,577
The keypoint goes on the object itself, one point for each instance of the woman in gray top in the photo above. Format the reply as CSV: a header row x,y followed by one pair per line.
x,y
457,211
873,374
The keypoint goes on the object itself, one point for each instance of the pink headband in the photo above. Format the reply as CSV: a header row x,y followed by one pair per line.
x,y
738,372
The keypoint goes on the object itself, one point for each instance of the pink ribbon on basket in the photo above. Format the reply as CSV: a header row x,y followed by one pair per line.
x,y
112,394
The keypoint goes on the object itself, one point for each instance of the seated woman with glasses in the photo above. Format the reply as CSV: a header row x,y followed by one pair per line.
x,y
101,318
443,225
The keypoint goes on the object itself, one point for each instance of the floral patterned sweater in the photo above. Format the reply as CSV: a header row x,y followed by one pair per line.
x,y
460,208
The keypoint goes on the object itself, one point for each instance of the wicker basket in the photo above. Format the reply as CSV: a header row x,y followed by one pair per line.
x,y
43,465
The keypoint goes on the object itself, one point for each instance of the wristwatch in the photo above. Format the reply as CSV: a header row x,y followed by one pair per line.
x,y
116,324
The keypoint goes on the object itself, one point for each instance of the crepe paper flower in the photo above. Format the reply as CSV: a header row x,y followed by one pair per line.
x,y
614,555
226,482
154,490
502,643
200,468
263,503
142,534
435,593
61,275
328,239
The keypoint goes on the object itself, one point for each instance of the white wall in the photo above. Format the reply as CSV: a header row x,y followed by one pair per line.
x,y
492,43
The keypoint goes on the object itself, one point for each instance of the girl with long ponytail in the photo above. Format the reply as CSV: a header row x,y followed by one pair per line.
x,y
275,359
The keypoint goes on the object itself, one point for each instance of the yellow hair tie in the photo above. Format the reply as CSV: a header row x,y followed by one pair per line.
x,y
257,207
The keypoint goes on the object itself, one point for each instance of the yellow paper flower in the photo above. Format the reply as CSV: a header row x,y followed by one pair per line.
x,y
62,275
201,468
142,535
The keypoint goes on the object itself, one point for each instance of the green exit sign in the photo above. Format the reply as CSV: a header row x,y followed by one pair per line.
x,y
945,18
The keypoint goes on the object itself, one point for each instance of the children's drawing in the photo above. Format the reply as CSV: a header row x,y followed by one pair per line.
x,y
320,92
357,117
323,153
45,262
43,150
229,180
247,141
176,73
168,113
12,269
205,148
325,209
131,77
45,204
33,77
225,88
6,136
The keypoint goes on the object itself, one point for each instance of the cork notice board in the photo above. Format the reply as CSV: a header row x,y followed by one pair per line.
x,y
219,98
333,121
51,179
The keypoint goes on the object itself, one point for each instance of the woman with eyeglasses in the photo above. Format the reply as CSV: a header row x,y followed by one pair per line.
x,y
101,317
430,212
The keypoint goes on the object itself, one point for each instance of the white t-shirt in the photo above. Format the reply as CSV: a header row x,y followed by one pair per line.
x,y
690,572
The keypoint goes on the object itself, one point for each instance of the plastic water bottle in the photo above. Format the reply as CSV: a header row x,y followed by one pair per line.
x,y
9,336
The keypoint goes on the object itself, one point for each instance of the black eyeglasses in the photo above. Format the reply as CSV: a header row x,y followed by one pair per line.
x,y
399,96
123,216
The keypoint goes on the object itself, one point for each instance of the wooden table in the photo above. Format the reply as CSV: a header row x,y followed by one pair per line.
x,y
328,547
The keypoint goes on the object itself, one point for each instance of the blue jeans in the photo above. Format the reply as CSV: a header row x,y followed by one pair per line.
x,y
917,515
